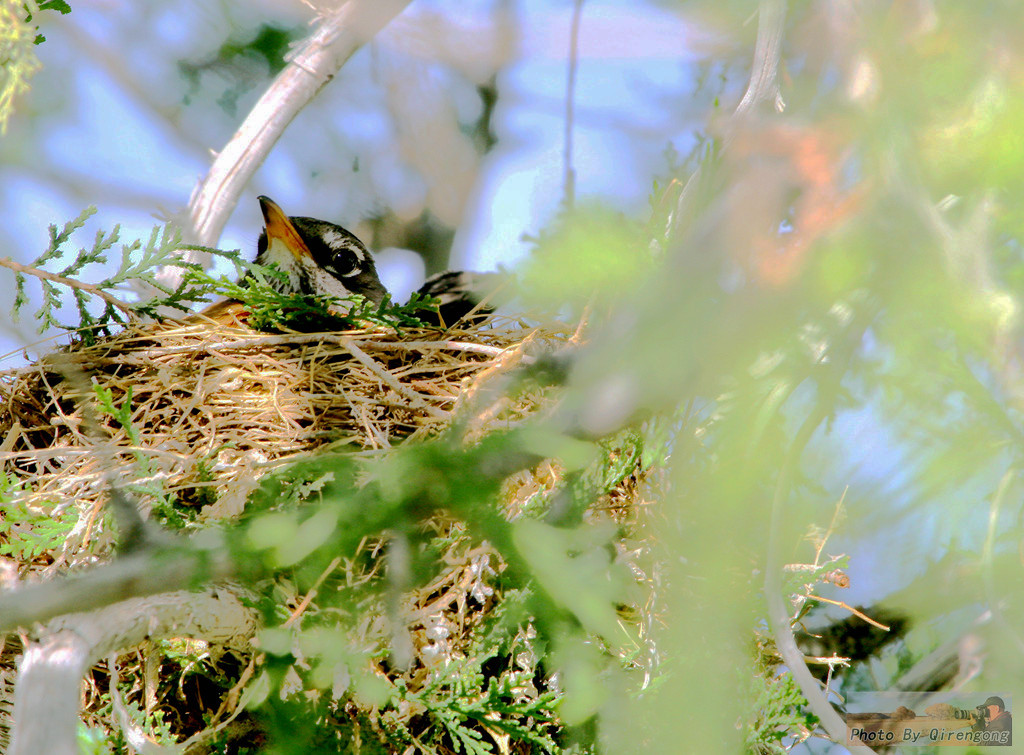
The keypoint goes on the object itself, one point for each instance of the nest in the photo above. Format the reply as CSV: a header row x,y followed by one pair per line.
x,y
202,411
195,414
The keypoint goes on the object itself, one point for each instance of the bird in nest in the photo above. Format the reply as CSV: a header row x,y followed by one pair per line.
x,y
321,258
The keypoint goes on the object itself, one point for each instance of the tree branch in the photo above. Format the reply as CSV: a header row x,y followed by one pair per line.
x,y
390,380
315,338
778,618
763,85
764,74
51,669
341,33
569,180
69,282
147,573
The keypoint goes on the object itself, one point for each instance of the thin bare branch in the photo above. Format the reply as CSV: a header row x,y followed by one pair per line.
x,y
778,617
764,74
388,379
763,84
336,39
311,338
569,184
859,614
69,282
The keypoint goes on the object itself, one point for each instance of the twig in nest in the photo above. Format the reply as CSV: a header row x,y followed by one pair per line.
x,y
316,338
388,379
304,603
471,348
69,282
851,609
569,179
827,660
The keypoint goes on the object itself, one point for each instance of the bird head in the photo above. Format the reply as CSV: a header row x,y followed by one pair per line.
x,y
316,256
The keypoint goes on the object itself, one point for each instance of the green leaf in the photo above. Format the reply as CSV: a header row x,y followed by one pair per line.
x,y
575,568
308,536
57,5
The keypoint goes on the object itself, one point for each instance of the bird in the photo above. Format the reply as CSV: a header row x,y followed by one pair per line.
x,y
318,257
461,295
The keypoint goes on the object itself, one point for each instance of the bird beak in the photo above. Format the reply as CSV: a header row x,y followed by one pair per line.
x,y
281,230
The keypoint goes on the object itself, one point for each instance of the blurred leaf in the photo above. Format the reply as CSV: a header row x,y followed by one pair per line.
x,y
242,63
17,51
307,537
583,670
592,251
574,567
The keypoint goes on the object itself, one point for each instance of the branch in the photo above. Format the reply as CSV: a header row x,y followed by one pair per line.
x,y
69,282
147,573
778,619
763,85
341,33
764,74
859,614
314,338
388,379
569,198
47,696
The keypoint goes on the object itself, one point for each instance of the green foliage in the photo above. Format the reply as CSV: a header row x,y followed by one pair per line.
x,y
154,724
779,709
396,316
138,262
833,300
121,414
151,487
465,705
141,262
558,581
92,741
453,698
269,308
240,64
60,6
30,531
574,567
612,248
17,53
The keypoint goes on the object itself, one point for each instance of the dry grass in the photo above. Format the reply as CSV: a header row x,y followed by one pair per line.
x,y
212,408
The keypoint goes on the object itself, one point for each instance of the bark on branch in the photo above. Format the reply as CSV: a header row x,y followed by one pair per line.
x,y
46,700
140,575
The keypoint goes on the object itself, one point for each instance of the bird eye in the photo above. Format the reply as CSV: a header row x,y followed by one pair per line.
x,y
344,264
